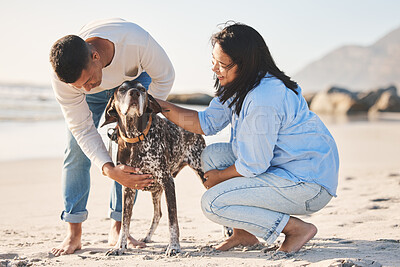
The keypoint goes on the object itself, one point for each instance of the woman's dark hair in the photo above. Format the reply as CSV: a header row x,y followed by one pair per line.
x,y
248,50
69,56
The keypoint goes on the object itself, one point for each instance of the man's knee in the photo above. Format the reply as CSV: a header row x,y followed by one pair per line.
x,y
76,159
73,155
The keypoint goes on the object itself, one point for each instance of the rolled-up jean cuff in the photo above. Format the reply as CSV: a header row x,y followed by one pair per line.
x,y
275,234
74,218
115,215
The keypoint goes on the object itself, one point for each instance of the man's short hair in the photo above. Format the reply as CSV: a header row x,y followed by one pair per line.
x,y
69,56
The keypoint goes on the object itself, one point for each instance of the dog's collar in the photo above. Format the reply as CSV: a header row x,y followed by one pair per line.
x,y
138,138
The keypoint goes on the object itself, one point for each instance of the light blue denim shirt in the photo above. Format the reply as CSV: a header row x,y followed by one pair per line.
x,y
276,133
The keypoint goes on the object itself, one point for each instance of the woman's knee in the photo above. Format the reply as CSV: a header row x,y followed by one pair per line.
x,y
206,203
210,204
217,155
207,157
214,200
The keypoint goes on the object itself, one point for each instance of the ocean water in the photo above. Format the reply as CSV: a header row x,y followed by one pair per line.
x,y
28,103
32,124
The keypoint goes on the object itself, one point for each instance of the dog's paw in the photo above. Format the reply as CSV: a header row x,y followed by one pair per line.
x,y
173,249
115,252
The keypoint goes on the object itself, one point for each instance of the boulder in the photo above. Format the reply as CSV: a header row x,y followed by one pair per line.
x,y
340,101
387,102
370,98
337,101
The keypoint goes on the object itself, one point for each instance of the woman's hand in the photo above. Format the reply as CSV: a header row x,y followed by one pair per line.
x,y
213,178
188,119
127,176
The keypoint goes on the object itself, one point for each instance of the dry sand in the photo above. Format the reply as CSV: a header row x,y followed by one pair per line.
x,y
361,226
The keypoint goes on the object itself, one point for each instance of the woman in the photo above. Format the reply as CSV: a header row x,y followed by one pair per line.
x,y
281,160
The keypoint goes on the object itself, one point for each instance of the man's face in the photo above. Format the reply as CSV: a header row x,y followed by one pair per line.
x,y
91,76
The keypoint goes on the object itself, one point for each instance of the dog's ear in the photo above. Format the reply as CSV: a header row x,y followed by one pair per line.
x,y
152,105
111,114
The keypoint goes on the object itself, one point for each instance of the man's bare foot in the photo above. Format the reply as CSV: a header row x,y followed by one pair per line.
x,y
239,237
72,242
114,235
297,233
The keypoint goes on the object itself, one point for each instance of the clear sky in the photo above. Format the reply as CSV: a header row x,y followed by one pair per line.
x,y
296,31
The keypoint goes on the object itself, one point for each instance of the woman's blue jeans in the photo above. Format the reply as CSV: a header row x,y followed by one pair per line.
x,y
76,168
260,205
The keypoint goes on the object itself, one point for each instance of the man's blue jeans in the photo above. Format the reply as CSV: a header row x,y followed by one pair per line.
x,y
76,168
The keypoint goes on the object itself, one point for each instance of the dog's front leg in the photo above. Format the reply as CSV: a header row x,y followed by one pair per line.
x,y
128,197
156,195
173,247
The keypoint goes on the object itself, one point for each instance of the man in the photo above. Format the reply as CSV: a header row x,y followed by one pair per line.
x,y
86,69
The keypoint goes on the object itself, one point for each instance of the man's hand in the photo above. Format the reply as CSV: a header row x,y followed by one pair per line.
x,y
127,176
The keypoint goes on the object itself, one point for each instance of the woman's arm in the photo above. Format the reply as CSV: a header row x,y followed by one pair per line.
x,y
188,119
215,177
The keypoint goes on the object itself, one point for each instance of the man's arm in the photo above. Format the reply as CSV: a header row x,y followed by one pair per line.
x,y
156,63
79,120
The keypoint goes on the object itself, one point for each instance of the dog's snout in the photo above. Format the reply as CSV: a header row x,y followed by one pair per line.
x,y
134,93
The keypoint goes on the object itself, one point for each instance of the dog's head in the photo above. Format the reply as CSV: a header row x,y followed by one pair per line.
x,y
130,100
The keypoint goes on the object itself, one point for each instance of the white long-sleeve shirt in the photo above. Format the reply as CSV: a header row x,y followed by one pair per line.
x,y
135,51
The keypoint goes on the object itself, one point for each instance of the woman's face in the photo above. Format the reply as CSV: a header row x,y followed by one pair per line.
x,y
223,66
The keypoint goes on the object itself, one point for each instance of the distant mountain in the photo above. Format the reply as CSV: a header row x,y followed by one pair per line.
x,y
355,67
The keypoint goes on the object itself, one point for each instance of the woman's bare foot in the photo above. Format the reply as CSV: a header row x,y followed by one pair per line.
x,y
72,242
114,235
239,237
297,233
133,243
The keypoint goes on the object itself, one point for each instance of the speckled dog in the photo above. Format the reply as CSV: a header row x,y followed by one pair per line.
x,y
156,146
